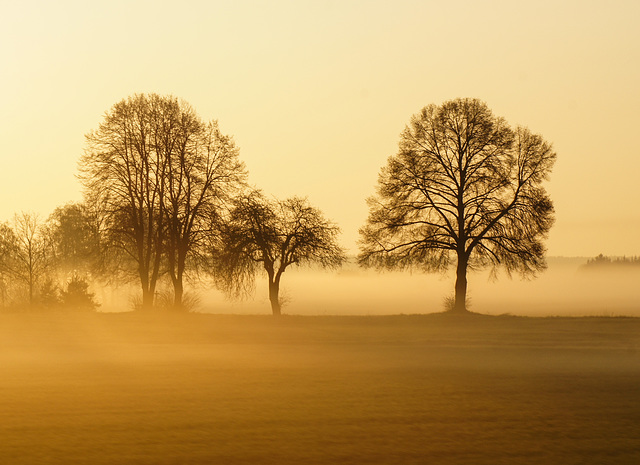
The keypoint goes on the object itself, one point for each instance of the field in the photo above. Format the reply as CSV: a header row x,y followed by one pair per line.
x,y
222,389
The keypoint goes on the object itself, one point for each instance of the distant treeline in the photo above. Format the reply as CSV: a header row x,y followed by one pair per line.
x,y
604,262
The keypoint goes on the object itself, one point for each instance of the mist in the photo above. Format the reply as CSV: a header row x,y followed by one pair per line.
x,y
566,288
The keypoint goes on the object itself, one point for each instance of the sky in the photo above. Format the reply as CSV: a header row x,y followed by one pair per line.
x,y
317,93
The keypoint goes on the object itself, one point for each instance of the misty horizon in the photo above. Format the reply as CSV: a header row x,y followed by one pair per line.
x,y
564,289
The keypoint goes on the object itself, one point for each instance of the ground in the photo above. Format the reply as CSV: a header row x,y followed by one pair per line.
x,y
222,389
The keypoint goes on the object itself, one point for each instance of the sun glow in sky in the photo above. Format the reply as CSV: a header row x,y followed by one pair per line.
x,y
317,93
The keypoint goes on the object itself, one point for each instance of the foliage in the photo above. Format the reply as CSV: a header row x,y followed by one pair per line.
x,y
464,185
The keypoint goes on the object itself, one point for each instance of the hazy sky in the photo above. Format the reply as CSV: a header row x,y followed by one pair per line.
x,y
317,93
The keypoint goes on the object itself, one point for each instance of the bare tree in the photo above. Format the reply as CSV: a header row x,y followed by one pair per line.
x,y
273,235
74,237
204,171
30,259
153,172
123,171
463,184
8,248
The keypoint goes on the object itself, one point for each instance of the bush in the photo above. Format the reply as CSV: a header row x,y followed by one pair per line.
x,y
77,295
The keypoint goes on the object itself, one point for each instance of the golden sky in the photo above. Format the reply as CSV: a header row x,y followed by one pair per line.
x,y
317,93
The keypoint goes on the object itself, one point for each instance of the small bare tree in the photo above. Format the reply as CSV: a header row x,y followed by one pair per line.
x,y
73,234
30,259
464,184
273,235
8,248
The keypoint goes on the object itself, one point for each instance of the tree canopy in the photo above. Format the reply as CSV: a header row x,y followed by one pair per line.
x,y
464,186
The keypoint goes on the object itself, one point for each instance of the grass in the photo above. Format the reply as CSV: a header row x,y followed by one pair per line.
x,y
214,389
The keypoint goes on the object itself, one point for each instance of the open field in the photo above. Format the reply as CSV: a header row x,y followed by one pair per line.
x,y
222,389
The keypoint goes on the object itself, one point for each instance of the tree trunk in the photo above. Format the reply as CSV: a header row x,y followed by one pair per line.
x,y
178,286
31,277
274,297
147,299
274,293
178,289
178,277
460,303
30,291
148,290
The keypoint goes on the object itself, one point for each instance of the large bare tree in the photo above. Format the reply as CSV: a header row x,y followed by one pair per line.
x,y
152,170
464,186
273,235
123,172
204,172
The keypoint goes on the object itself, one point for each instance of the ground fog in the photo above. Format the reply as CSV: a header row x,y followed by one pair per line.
x,y
564,289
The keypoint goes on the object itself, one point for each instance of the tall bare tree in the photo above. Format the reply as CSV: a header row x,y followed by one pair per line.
x,y
123,172
153,170
204,171
273,235
463,185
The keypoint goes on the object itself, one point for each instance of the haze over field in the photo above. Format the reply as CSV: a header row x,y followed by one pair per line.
x,y
563,290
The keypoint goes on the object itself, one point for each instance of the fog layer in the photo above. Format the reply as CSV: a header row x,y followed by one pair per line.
x,y
564,289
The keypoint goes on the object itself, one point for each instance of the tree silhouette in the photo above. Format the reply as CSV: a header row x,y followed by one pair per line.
x,y
202,175
123,173
30,259
8,249
273,235
152,171
77,295
74,238
463,184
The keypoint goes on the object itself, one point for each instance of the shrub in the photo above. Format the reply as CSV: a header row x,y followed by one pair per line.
x,y
77,295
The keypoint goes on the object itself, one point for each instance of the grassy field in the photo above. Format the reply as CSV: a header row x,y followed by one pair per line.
x,y
213,389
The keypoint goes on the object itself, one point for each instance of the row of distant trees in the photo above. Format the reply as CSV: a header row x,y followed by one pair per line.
x,y
47,264
167,198
601,262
